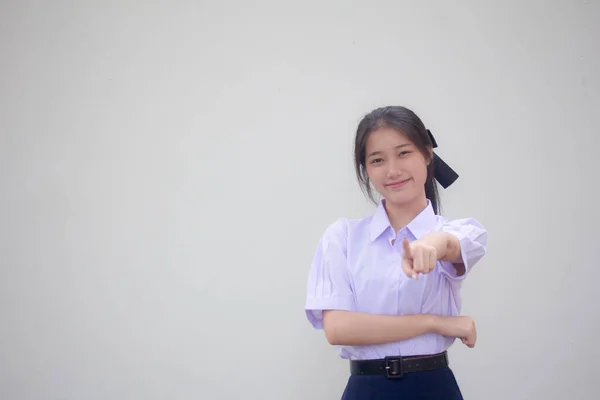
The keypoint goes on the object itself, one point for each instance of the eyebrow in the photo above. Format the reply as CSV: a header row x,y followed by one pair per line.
x,y
379,151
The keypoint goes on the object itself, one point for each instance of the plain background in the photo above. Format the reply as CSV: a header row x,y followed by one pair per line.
x,y
168,167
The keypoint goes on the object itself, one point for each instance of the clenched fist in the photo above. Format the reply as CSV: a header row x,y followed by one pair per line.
x,y
462,327
418,257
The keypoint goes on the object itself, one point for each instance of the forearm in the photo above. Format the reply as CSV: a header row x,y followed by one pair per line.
x,y
360,329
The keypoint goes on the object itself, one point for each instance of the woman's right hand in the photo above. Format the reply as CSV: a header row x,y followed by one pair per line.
x,y
459,327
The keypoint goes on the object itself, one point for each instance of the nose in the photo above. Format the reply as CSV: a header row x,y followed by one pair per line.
x,y
394,169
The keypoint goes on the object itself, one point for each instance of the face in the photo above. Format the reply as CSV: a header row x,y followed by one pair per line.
x,y
395,167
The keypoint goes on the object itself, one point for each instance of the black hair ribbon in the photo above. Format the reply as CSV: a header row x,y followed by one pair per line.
x,y
442,172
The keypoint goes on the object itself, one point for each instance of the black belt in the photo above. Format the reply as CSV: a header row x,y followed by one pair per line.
x,y
396,367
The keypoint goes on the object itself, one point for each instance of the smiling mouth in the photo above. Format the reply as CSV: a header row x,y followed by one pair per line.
x,y
399,184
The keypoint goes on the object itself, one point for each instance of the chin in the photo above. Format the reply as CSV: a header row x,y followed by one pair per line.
x,y
401,198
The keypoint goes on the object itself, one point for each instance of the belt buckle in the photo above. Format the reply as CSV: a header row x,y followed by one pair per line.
x,y
393,367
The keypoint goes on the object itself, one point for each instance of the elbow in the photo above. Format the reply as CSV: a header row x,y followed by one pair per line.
x,y
332,325
332,337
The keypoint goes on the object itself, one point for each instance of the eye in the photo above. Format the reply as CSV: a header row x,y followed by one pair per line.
x,y
376,160
404,153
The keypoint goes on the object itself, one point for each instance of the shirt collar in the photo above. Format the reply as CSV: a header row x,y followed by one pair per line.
x,y
422,224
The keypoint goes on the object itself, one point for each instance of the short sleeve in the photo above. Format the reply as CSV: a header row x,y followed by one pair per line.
x,y
329,285
473,244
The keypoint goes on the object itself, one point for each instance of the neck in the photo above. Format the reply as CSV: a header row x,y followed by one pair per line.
x,y
401,214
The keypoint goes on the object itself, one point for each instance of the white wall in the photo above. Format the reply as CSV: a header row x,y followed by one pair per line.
x,y
167,169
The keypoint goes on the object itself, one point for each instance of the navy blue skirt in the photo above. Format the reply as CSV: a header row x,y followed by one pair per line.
x,y
438,384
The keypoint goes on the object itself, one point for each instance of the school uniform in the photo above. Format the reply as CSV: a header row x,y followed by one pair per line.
x,y
358,267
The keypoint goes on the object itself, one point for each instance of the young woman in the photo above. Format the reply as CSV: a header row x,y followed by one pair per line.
x,y
386,288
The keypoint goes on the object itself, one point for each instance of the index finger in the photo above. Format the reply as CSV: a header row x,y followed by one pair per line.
x,y
406,249
408,269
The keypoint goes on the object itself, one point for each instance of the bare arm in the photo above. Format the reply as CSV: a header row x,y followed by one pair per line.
x,y
359,329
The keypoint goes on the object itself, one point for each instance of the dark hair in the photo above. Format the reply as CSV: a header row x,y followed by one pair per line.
x,y
406,122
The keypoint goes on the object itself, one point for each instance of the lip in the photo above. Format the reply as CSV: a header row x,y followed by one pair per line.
x,y
398,184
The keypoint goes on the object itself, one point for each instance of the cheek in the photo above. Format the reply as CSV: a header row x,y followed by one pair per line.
x,y
376,175
420,172
424,173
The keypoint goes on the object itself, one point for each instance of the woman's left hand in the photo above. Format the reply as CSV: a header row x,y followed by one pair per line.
x,y
418,257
